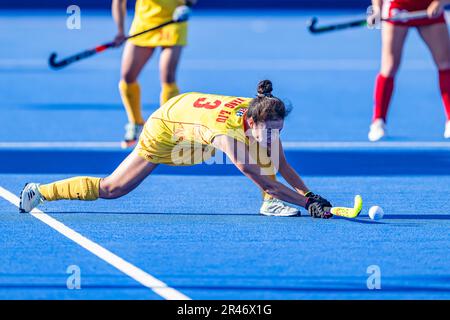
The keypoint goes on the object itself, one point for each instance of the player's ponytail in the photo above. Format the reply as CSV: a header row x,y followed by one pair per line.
x,y
265,106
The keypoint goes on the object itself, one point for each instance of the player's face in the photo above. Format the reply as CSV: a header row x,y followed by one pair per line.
x,y
267,131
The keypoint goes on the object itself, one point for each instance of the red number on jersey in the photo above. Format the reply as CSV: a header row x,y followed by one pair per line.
x,y
201,103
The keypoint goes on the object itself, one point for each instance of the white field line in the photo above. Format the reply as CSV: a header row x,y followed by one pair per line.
x,y
233,64
127,268
287,145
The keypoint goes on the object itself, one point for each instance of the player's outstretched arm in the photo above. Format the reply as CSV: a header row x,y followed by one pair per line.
x,y
292,177
289,174
240,156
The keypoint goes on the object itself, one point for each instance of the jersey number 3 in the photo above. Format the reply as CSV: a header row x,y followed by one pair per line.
x,y
202,103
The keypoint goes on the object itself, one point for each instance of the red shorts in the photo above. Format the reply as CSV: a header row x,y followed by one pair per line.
x,y
394,7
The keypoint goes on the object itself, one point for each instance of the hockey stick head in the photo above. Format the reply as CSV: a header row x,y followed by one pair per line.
x,y
349,212
52,61
311,24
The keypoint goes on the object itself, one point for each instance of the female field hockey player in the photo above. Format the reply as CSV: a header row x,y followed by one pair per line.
x,y
137,51
245,129
433,31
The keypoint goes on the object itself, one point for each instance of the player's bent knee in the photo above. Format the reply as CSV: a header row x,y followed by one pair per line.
x,y
112,193
128,78
168,77
389,67
389,71
111,190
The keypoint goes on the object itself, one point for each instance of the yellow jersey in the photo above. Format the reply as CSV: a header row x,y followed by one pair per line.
x,y
192,119
151,13
156,11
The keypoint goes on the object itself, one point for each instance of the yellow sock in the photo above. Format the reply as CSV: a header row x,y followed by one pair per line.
x,y
266,196
131,98
168,91
78,188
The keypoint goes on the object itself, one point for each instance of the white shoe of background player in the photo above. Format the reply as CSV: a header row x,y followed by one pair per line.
x,y
377,130
447,130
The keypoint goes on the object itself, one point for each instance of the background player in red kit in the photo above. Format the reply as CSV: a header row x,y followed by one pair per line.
x,y
433,30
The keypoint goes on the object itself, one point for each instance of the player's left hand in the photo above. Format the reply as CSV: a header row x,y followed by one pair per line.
x,y
435,9
317,209
319,198
181,14
317,206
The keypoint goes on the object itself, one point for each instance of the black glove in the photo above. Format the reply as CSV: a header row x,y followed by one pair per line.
x,y
319,198
317,206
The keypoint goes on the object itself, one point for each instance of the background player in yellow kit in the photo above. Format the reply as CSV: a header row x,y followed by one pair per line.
x,y
137,51
245,129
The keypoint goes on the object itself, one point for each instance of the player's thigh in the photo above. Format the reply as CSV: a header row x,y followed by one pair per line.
x,y
134,59
393,40
127,176
168,63
436,37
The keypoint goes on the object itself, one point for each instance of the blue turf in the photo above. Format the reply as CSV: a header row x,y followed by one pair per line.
x,y
328,78
221,248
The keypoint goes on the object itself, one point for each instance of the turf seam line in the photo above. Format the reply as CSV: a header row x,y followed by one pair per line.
x,y
340,64
147,280
286,144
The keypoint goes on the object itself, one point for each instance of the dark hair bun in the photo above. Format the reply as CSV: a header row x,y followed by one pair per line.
x,y
265,87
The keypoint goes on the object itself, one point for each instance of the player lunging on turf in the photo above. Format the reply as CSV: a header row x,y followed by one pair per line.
x,y
433,31
187,130
137,51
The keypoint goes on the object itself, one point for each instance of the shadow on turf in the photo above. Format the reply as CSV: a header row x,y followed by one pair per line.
x,y
167,213
350,288
304,283
417,217
364,219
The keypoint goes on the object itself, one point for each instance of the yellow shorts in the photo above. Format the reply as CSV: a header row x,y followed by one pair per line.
x,y
174,34
157,144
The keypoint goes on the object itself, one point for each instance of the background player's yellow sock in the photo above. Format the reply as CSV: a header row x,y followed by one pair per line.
x,y
168,91
78,188
131,98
